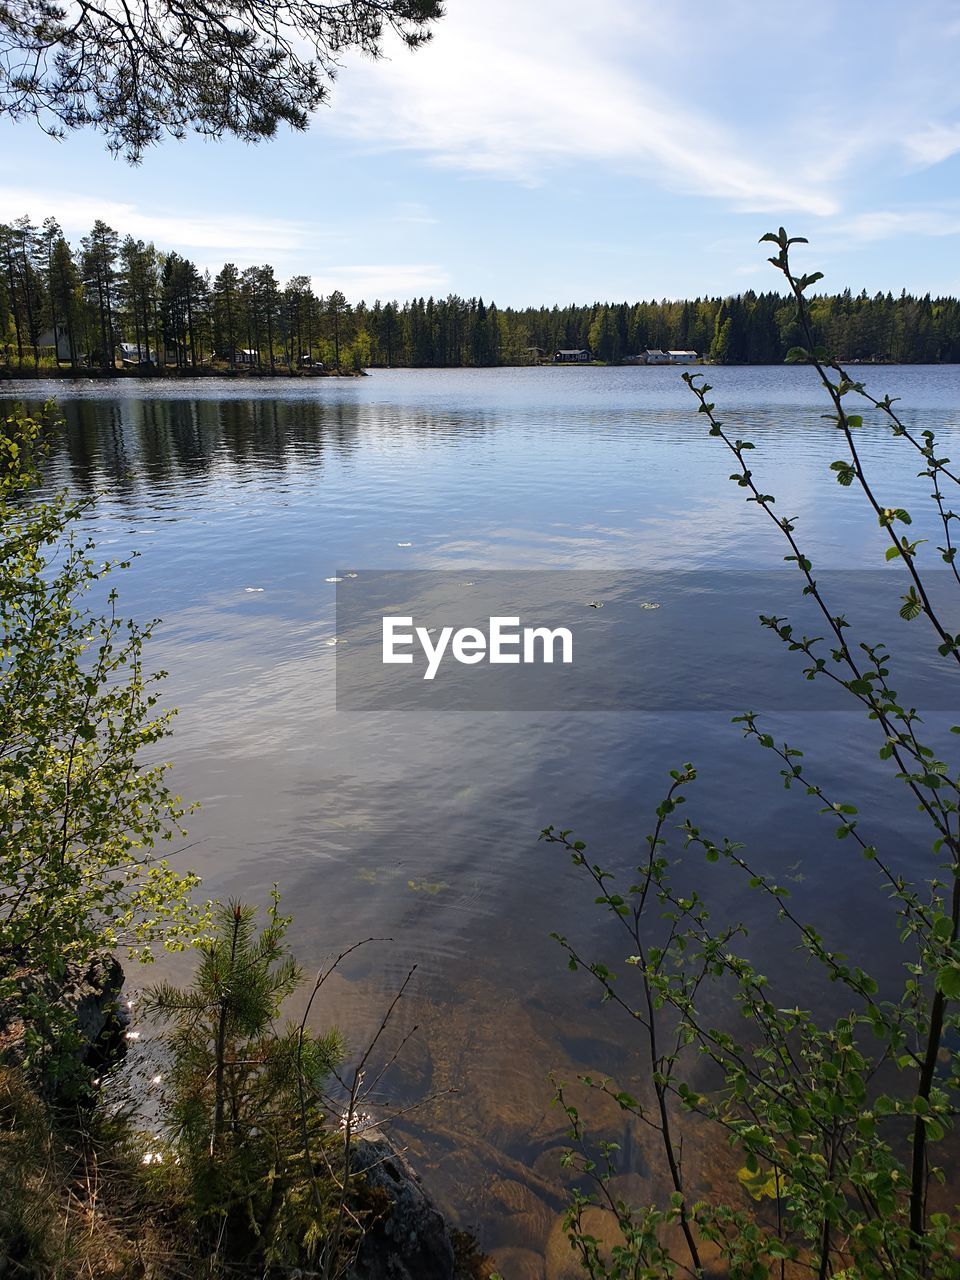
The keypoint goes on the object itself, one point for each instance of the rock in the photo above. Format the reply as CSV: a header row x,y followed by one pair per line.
x,y
711,1260
549,1166
563,1262
86,1002
411,1240
634,1190
518,1264
93,995
520,1217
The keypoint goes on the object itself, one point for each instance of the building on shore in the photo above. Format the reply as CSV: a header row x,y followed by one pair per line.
x,y
131,353
570,356
57,340
653,355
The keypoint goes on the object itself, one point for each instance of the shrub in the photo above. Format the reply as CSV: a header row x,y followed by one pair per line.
x,y
81,808
244,1097
839,1122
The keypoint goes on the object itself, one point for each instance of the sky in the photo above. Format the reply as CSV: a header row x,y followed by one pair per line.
x,y
554,151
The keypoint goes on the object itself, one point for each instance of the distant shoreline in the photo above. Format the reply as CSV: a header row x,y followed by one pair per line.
x,y
8,374
172,374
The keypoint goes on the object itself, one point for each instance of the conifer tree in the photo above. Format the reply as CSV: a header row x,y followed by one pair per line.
x,y
63,284
226,312
336,310
244,1095
100,250
137,74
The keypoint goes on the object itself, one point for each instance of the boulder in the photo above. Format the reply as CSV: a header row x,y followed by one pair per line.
x,y
520,1217
562,1260
410,1240
518,1264
92,994
84,1005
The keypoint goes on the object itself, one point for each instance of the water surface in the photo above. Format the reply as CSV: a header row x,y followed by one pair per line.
x,y
423,828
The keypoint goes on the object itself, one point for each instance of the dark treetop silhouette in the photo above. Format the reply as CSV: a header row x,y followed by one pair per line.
x,y
137,70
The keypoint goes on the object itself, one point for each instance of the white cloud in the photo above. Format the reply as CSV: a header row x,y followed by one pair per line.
x,y
933,144
514,91
415,213
602,112
231,233
887,224
290,246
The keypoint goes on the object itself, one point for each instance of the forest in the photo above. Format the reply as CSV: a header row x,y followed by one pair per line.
x,y
117,300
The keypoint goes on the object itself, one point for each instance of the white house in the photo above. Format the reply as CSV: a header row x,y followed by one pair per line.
x,y
245,355
131,353
59,339
682,357
652,356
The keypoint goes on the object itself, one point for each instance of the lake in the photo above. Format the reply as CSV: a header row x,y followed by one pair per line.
x,y
243,498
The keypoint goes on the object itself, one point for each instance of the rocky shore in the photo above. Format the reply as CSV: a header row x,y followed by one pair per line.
x,y
410,1238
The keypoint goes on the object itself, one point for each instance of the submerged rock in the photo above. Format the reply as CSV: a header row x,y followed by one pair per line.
x,y
518,1264
521,1215
563,1260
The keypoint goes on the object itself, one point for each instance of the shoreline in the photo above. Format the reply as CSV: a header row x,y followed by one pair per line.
x,y
8,374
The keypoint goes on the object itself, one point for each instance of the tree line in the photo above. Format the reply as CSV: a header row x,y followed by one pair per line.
x,y
75,306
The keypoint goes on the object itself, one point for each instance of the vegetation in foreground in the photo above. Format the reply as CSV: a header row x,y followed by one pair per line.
x,y
73,1201
256,1152
251,1172
841,1117
84,812
842,1126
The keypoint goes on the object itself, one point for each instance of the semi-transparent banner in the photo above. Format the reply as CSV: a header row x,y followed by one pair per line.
x,y
624,640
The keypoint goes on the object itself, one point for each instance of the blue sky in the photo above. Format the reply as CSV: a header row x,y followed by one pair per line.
x,y
569,151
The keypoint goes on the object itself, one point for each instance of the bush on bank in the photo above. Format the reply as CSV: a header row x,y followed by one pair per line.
x,y
834,1090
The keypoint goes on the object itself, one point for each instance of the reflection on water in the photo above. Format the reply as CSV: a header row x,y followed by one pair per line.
x,y
423,828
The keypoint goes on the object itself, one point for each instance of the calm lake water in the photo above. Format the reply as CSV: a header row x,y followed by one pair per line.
x,y
422,828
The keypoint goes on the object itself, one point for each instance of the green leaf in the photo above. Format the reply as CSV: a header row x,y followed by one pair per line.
x,y
943,928
948,981
934,1128
758,1183
912,606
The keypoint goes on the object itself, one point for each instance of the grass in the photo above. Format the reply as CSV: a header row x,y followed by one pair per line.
x,y
76,1202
